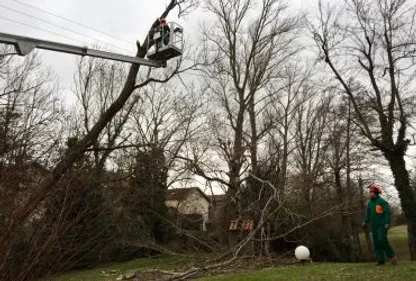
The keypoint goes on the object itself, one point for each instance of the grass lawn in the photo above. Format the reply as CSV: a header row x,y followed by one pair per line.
x,y
398,239
328,272
110,272
406,270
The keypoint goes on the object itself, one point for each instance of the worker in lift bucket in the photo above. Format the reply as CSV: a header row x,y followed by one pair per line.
x,y
378,217
164,34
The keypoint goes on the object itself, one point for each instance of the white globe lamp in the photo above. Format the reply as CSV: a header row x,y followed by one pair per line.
x,y
302,253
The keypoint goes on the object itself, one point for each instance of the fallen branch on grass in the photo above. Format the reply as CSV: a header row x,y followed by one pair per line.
x,y
266,214
173,275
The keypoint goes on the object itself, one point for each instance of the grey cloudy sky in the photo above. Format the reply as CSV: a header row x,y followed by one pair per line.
x,y
125,19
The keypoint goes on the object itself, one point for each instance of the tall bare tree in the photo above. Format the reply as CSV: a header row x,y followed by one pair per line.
x,y
286,96
311,147
248,43
30,113
29,109
96,84
165,125
169,118
343,158
369,46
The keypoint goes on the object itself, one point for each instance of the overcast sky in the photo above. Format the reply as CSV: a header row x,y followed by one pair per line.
x,y
125,19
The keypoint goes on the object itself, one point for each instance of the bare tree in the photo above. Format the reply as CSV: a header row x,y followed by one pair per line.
x,y
369,47
29,109
30,116
286,96
162,127
248,44
344,147
311,147
169,118
29,113
96,84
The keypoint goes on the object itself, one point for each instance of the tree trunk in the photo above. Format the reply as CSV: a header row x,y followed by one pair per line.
x,y
358,251
354,238
366,231
283,173
347,254
235,163
254,136
402,183
411,230
347,241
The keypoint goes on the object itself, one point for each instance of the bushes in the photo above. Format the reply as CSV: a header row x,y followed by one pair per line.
x,y
70,231
79,212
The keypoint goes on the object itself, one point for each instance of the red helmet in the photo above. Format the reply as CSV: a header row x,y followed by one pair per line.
x,y
375,188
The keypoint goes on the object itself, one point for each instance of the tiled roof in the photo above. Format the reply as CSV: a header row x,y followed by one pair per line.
x,y
246,225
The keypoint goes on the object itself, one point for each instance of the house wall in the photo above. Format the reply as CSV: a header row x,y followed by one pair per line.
x,y
195,203
172,203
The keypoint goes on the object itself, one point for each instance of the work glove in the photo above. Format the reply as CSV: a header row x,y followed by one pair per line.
x,y
364,225
386,226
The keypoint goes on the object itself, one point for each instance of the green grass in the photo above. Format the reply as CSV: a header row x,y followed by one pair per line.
x,y
114,270
331,272
406,270
398,239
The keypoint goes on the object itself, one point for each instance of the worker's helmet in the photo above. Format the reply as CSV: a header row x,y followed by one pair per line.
x,y
375,188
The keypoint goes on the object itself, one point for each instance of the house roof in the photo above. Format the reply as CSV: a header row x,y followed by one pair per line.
x,y
181,194
246,225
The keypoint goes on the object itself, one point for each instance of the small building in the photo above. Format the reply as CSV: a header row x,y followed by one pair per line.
x,y
191,206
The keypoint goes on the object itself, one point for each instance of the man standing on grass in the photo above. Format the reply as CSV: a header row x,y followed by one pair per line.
x,y
378,217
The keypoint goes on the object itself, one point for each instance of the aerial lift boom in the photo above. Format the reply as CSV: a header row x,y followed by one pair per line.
x,y
25,45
